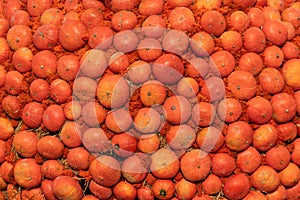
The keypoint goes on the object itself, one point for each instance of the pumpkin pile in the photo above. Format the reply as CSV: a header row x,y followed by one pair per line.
x,y
149,99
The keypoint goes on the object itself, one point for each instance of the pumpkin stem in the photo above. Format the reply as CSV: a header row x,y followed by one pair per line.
x,y
163,192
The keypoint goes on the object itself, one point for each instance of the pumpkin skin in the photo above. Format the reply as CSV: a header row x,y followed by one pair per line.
x,y
149,8
52,16
100,191
124,144
265,179
265,137
236,186
180,137
149,49
165,164
239,136
211,185
291,31
112,91
118,62
197,67
208,5
195,165
139,72
254,194
202,43
93,63
177,109
124,190
44,64
229,110
105,170
213,89
244,4
145,192
271,80
223,164
203,114
154,26
249,160
93,114
71,31
153,93
284,107
187,87
273,56
278,157
293,192
291,71
256,17
181,18
168,69
290,51
19,36
134,168
254,40
123,20
222,63
290,175
163,189
117,5
210,139
118,120
259,110
271,13
213,22
50,147
297,99
242,84
125,41
239,21
251,62
24,143
275,31
27,173
291,15
46,36
100,37
148,143
185,189
280,193
147,120
22,59
71,188
32,116
231,41
287,131
95,140
175,42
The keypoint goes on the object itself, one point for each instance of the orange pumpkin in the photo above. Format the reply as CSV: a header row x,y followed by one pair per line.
x,y
265,137
265,179
177,109
195,165
290,175
291,71
112,91
185,189
147,120
152,92
163,189
148,143
165,164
